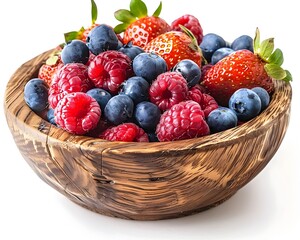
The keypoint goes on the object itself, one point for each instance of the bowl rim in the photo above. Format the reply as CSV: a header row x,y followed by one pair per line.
x,y
279,104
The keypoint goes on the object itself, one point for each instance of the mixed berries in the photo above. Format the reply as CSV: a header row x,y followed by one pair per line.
x,y
147,80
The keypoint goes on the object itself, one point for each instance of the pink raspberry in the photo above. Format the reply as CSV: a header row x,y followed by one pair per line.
x,y
77,113
126,132
190,22
195,94
72,77
184,120
168,89
109,70
208,104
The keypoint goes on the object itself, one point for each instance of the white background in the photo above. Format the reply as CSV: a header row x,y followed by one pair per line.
x,y
266,208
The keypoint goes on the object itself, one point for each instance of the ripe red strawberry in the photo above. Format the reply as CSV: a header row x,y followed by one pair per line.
x,y
138,27
191,23
50,67
126,132
244,69
184,120
77,113
175,46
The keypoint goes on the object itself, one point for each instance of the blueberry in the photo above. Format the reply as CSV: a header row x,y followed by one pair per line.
x,y
102,38
137,88
220,54
242,42
263,95
101,96
75,51
221,119
245,103
149,66
119,109
210,43
189,70
50,116
147,115
152,137
36,94
131,50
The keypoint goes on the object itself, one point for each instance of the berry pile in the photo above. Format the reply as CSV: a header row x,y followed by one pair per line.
x,y
148,80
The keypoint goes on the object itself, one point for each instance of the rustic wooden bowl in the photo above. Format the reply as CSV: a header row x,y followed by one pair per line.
x,y
144,181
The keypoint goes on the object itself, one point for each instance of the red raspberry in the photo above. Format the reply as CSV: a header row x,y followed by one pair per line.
x,y
72,77
109,70
204,70
168,89
191,23
208,104
77,113
195,94
184,120
126,132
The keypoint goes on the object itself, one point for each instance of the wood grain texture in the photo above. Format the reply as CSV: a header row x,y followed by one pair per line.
x,y
144,181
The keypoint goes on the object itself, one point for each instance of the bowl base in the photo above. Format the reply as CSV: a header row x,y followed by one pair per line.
x,y
140,217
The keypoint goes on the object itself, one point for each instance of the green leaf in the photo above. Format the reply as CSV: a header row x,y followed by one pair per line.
x,y
276,57
158,10
275,71
256,41
288,77
69,36
94,11
124,16
266,48
121,28
138,8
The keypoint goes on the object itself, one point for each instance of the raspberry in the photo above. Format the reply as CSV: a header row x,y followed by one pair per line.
x,y
168,89
126,132
72,77
77,113
184,120
208,104
204,70
109,70
195,94
191,23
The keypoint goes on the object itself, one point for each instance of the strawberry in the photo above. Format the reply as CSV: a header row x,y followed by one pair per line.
x,y
244,69
175,46
137,26
50,67
82,33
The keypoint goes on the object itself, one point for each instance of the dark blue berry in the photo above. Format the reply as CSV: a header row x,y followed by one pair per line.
x,y
131,50
149,66
245,103
102,38
152,137
147,115
189,70
50,116
36,94
210,43
75,51
119,109
220,54
263,95
221,119
242,42
101,96
137,88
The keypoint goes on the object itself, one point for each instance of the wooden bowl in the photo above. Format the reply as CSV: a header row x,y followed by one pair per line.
x,y
145,181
